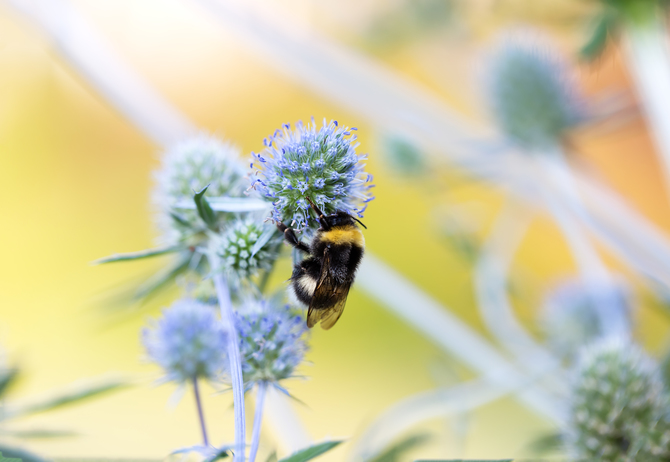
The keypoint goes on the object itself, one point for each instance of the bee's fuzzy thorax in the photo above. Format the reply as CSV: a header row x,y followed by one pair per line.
x,y
343,235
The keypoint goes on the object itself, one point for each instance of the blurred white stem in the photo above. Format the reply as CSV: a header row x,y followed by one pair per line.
x,y
405,414
563,200
258,419
287,427
94,59
648,55
455,337
491,281
233,348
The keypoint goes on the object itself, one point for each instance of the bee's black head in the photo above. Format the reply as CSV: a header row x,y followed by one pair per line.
x,y
342,218
339,218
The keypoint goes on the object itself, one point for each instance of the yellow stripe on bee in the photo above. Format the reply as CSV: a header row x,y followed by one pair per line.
x,y
338,236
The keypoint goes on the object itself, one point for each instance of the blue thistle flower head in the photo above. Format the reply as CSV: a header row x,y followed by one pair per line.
x,y
532,94
618,406
570,318
188,167
188,341
316,162
273,341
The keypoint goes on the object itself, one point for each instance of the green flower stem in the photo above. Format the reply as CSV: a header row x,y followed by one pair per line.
x,y
228,318
258,418
201,416
565,204
648,56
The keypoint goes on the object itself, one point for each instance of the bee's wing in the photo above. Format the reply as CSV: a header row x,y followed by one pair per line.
x,y
328,299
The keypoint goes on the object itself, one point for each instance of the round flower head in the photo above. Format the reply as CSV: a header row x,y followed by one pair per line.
x,y
272,341
188,342
570,317
235,247
319,163
531,94
188,167
618,409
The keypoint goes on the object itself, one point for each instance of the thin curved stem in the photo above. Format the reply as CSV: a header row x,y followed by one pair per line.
x,y
201,415
258,418
233,348
491,276
565,204
412,410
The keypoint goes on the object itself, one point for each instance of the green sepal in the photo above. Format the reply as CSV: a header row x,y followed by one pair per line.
x,y
159,280
464,460
7,452
221,453
204,209
395,452
180,219
7,377
138,255
272,457
546,443
311,452
605,27
38,433
66,398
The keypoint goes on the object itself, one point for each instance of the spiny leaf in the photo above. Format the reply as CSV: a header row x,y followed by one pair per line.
x,y
20,453
394,453
311,452
138,255
464,460
204,209
37,433
180,219
159,280
69,397
604,27
263,239
7,377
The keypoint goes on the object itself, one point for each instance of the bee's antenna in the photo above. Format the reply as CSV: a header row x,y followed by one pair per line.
x,y
359,222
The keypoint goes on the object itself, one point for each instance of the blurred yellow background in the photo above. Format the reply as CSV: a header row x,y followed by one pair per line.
x,y
75,177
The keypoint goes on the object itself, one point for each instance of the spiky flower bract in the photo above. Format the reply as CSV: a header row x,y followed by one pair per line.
x,y
570,318
188,341
619,408
235,247
532,95
313,162
273,341
186,168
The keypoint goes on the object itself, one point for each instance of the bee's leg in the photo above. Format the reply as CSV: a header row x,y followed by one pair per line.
x,y
322,218
291,238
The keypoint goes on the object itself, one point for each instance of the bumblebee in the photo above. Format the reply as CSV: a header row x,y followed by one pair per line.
x,y
323,279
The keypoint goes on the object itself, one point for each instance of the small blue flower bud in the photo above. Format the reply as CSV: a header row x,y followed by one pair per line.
x,y
187,167
532,95
188,342
273,341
